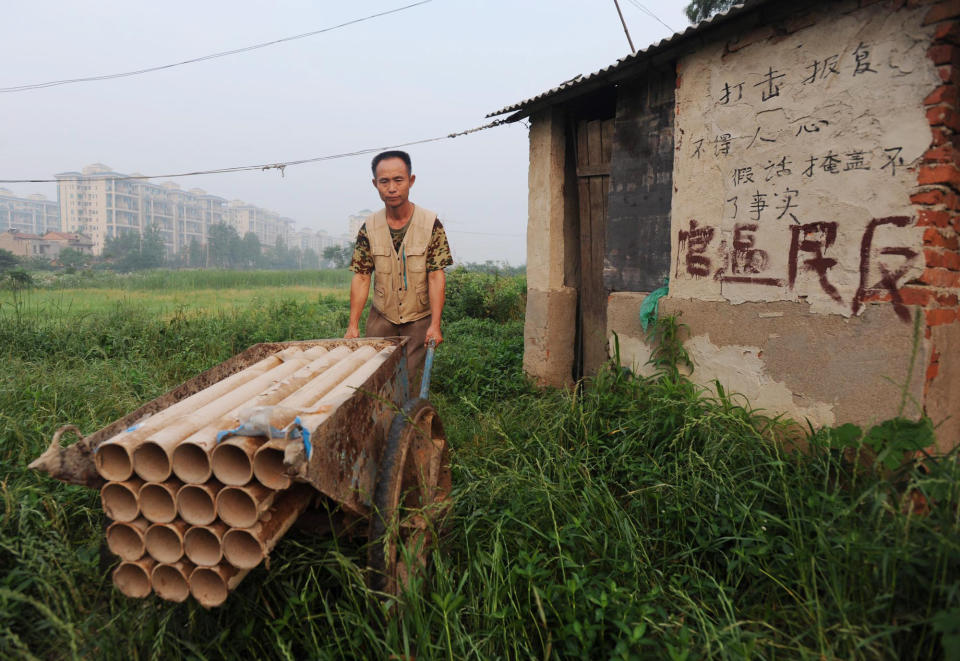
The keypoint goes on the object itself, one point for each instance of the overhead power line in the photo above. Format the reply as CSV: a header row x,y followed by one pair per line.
x,y
204,58
281,166
649,13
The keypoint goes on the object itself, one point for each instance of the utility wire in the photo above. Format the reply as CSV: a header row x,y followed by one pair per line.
x,y
454,230
212,56
642,8
281,166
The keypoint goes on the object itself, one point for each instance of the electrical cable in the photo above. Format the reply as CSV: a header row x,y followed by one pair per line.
x,y
281,166
642,8
203,58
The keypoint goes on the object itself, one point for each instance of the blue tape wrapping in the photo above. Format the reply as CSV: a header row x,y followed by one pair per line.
x,y
226,433
307,446
249,430
134,427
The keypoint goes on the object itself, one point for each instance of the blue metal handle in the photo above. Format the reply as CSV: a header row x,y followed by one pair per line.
x,y
427,366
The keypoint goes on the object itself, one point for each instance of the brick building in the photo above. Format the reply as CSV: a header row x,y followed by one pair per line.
x,y
792,169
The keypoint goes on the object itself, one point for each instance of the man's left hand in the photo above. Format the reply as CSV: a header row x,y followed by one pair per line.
x,y
433,333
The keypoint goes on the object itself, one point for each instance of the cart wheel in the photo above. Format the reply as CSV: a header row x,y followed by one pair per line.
x,y
411,495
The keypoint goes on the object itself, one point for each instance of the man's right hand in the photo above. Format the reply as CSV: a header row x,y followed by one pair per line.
x,y
359,288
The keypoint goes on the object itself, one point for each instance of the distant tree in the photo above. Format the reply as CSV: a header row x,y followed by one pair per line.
x,y
699,10
338,256
493,267
222,239
282,256
122,251
249,250
133,251
7,261
195,254
309,259
71,258
19,279
152,249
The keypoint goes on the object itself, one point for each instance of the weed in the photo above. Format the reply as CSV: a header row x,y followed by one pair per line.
x,y
633,517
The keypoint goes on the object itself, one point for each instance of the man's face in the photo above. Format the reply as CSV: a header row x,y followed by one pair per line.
x,y
393,182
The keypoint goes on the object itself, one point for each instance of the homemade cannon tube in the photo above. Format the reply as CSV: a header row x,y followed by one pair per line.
x,y
268,466
241,507
246,548
132,578
190,459
158,501
211,585
153,457
232,460
164,541
197,503
202,544
121,500
114,459
171,580
125,539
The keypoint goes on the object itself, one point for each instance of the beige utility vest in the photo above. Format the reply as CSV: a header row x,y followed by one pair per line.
x,y
400,276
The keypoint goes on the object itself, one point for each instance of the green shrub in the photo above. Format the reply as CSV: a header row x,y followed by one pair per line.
x,y
485,296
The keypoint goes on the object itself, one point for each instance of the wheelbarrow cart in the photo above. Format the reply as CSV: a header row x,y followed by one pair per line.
x,y
199,484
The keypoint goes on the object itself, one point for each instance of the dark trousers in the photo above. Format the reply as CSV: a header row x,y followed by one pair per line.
x,y
379,326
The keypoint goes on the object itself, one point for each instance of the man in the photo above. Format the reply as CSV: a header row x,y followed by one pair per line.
x,y
405,246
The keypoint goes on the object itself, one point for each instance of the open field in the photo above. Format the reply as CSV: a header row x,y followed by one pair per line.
x,y
632,518
72,303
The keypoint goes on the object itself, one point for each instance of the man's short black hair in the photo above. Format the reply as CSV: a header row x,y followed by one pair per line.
x,y
396,153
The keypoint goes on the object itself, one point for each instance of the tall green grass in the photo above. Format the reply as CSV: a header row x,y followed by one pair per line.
x,y
187,279
631,518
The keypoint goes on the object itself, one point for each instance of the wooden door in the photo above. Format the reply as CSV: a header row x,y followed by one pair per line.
x,y
594,151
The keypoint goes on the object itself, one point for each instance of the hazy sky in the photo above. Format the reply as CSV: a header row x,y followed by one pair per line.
x,y
424,72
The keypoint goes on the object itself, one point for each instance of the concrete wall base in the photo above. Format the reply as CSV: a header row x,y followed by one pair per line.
x,y
784,360
548,336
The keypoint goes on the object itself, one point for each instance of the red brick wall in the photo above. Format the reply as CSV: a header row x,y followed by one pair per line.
x,y
937,199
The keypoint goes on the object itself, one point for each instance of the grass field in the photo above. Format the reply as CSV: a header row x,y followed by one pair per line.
x,y
632,518
73,303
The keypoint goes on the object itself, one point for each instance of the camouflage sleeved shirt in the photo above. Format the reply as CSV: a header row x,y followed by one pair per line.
x,y
438,250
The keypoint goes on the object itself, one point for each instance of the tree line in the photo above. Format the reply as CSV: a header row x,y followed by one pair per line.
x,y
225,249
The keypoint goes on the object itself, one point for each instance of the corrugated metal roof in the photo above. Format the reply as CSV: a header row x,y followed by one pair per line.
x,y
601,78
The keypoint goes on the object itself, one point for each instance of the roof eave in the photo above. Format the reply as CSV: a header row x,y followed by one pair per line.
x,y
667,50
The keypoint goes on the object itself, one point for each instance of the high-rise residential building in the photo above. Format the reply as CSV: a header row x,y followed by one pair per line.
x,y
102,203
355,222
317,240
34,214
269,226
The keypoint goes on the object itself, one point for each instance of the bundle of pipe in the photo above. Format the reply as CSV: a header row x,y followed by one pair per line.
x,y
191,516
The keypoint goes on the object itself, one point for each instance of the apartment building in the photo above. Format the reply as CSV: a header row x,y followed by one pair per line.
x,y
269,226
33,214
355,222
317,240
102,203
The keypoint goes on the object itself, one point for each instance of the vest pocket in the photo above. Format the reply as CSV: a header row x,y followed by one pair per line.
x,y
417,263
379,295
422,296
382,263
